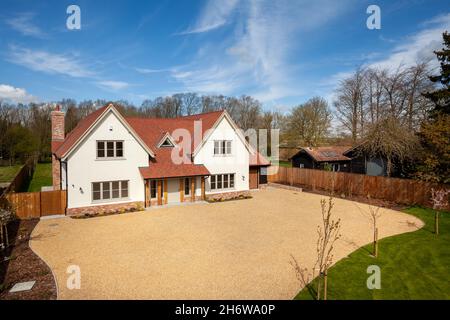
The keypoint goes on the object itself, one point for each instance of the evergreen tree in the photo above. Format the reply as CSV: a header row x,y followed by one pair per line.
x,y
441,96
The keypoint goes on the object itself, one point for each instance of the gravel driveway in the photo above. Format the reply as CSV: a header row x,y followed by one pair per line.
x,y
233,250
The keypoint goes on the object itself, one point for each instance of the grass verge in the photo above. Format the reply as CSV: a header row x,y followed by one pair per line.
x,y
42,177
413,266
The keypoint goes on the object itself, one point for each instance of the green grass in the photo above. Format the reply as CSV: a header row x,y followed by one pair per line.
x,y
8,173
286,164
42,177
414,265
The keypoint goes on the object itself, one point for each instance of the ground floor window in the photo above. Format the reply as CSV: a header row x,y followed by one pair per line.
x,y
109,190
187,186
222,181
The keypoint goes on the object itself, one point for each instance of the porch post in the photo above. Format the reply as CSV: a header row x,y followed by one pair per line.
x,y
181,189
203,188
159,193
165,191
193,189
147,193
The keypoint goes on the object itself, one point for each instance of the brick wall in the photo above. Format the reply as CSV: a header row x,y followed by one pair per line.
x,y
107,208
57,117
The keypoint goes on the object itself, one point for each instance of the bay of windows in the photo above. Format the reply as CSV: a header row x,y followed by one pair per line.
x,y
109,190
222,181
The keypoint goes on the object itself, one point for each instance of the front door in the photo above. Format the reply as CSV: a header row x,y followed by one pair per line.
x,y
253,174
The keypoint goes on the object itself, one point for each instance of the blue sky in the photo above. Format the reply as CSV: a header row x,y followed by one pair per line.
x,y
281,52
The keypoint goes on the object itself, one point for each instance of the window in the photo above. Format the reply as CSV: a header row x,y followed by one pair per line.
x,y
109,149
153,189
222,147
222,181
187,186
167,143
109,190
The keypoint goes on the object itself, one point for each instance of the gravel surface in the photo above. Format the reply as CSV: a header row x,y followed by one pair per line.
x,y
231,250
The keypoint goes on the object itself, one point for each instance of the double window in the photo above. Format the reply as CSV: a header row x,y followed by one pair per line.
x,y
222,147
109,190
222,181
109,149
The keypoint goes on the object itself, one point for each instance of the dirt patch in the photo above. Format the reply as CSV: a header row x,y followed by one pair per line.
x,y
20,264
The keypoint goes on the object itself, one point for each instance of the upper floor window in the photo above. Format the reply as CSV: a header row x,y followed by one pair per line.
x,y
109,149
222,147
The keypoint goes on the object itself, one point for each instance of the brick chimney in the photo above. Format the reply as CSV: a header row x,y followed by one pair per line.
x,y
57,117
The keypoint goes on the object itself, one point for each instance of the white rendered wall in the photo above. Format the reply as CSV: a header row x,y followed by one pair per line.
x,y
237,162
83,168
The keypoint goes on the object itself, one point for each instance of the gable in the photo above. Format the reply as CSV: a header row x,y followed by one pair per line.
x,y
90,123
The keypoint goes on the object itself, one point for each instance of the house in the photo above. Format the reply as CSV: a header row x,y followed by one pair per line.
x,y
321,158
112,162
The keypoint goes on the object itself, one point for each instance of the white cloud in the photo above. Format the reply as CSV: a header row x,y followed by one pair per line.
x,y
149,71
24,24
16,95
39,60
257,57
418,47
215,14
113,85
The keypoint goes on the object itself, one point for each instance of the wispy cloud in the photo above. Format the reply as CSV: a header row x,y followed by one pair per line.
x,y
44,61
149,71
16,95
215,14
257,57
113,85
417,47
24,24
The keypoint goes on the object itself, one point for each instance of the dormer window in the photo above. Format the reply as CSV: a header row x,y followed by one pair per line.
x,y
166,144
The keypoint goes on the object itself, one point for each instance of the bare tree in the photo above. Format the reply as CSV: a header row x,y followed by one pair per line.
x,y
310,122
328,234
391,141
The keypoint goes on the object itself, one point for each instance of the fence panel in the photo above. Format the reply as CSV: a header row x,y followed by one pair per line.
x,y
29,205
402,191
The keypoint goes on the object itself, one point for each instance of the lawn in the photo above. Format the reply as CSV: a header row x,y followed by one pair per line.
x,y
42,177
286,164
413,266
8,173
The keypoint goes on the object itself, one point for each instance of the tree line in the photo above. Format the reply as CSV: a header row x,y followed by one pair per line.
x,y
400,114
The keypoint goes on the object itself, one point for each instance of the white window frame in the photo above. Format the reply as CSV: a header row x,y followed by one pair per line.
x,y
228,179
222,148
105,150
101,191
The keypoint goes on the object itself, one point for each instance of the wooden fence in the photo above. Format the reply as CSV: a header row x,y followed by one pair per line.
x,y
22,177
29,205
401,191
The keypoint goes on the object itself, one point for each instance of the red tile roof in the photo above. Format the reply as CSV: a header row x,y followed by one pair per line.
x,y
258,160
163,166
60,148
324,154
151,131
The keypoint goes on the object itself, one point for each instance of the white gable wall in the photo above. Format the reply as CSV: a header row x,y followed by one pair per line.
x,y
83,168
237,163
